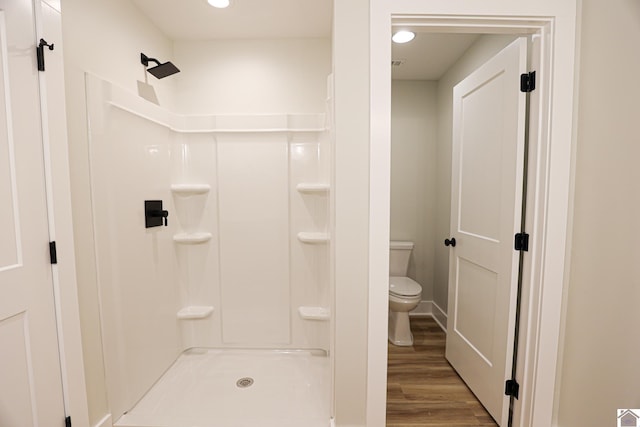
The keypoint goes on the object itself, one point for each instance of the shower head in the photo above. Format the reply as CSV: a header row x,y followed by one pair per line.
x,y
160,71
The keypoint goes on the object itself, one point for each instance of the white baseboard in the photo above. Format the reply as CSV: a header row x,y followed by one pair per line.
x,y
431,309
105,421
439,316
423,309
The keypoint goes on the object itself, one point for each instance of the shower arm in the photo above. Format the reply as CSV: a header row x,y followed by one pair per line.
x,y
144,59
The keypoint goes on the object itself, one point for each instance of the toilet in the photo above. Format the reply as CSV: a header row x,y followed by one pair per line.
x,y
404,293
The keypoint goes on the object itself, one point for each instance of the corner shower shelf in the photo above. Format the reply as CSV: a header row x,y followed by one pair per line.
x,y
193,312
314,313
313,237
192,238
190,189
312,188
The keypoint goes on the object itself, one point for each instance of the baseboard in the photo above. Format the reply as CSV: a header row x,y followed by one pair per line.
x,y
105,421
423,309
431,309
439,316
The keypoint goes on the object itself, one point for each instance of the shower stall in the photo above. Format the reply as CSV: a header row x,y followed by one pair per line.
x,y
218,312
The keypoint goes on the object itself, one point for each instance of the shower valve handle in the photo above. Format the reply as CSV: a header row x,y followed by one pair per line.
x,y
161,214
154,215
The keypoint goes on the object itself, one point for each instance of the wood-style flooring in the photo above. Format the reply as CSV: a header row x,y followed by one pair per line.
x,y
423,389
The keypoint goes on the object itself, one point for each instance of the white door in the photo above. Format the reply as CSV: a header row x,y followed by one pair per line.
x,y
30,379
487,168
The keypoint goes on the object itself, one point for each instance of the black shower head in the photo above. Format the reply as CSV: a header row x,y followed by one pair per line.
x,y
160,71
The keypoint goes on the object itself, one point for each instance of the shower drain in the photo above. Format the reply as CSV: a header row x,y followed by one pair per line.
x,y
244,382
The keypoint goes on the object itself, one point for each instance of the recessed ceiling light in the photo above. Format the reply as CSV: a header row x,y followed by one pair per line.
x,y
220,4
403,36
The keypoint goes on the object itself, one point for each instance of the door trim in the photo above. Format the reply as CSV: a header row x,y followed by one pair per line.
x,y
548,200
48,24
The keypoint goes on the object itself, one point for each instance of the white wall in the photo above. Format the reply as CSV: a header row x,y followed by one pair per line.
x,y
104,38
413,175
350,204
601,346
482,50
252,76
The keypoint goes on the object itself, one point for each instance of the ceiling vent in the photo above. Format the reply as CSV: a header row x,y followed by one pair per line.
x,y
397,62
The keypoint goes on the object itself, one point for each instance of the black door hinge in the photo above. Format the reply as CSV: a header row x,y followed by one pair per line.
x,y
67,422
521,242
511,388
40,53
53,253
528,82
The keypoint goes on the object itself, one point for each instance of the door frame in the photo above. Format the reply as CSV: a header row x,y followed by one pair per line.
x,y
48,25
548,199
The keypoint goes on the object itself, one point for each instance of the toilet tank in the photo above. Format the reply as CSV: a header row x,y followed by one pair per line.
x,y
399,255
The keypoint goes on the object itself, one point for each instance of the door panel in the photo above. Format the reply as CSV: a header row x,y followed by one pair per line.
x,y
16,393
480,157
487,165
476,303
31,392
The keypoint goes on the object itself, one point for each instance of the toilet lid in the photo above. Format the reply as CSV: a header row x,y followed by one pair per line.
x,y
404,286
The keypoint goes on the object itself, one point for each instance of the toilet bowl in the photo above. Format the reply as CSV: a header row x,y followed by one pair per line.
x,y
404,295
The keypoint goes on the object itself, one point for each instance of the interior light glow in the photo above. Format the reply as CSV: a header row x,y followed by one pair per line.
x,y
220,4
403,36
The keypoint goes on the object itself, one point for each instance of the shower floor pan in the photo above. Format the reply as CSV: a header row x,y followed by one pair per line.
x,y
238,388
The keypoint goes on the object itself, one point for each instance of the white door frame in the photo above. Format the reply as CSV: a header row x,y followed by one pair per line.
x,y
48,23
548,199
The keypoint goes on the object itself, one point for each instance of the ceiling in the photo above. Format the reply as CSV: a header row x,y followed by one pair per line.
x,y
243,19
427,57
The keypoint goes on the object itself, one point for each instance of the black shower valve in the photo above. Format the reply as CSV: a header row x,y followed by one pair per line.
x,y
154,215
160,214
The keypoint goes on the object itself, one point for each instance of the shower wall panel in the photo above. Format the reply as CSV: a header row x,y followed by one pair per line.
x,y
254,239
194,160
129,159
309,212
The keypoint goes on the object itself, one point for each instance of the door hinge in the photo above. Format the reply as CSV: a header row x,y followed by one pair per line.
x,y
521,242
40,53
528,82
67,422
53,253
511,388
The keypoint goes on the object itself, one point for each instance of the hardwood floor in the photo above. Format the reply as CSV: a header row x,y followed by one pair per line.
x,y
423,389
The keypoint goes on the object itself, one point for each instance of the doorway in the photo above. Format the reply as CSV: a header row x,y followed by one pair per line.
x,y
421,176
532,283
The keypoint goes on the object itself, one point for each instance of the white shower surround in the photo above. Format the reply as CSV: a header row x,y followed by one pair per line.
x,y
242,286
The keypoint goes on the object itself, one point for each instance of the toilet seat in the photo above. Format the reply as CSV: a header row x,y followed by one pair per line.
x,y
404,287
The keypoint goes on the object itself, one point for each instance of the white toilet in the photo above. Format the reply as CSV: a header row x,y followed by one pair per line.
x,y
404,293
